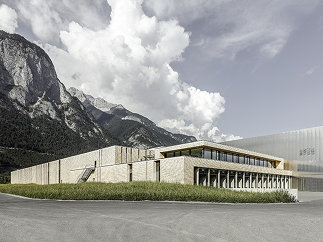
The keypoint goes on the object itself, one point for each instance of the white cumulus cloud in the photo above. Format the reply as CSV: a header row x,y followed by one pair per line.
x,y
47,18
128,62
8,19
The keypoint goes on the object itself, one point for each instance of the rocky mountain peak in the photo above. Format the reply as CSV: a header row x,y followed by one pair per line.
x,y
28,78
27,73
98,103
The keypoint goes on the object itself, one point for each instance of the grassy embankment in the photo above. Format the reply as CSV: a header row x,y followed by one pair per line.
x,y
138,191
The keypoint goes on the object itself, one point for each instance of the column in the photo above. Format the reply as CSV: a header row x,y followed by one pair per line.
x,y
208,182
219,179
267,181
236,179
250,180
262,180
197,176
228,179
243,180
285,182
289,181
215,181
257,179
274,181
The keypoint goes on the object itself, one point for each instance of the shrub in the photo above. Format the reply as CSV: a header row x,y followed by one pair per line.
x,y
138,191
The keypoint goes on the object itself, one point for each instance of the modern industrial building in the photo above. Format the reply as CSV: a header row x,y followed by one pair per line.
x,y
301,149
201,163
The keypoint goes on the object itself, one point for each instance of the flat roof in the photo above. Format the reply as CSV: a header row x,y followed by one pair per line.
x,y
202,143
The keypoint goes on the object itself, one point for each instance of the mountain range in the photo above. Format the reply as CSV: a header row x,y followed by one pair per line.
x,y
40,120
133,129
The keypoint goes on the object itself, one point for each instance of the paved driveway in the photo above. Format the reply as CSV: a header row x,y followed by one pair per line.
x,y
45,220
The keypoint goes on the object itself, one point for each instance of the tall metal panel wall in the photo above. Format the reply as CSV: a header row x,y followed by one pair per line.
x,y
304,145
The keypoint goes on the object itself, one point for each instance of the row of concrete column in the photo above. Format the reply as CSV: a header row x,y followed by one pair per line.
x,y
236,179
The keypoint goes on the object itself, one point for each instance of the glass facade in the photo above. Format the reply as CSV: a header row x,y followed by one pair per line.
x,y
222,156
208,153
229,158
197,152
186,152
235,158
242,159
215,155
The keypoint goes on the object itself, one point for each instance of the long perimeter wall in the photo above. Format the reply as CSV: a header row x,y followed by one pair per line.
x,y
69,169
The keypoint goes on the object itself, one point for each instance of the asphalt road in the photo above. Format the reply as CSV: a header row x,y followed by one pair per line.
x,y
48,220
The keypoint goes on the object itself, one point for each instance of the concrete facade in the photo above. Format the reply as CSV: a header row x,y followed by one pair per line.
x,y
191,163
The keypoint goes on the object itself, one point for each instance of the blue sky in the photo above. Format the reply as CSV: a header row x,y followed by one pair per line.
x,y
214,69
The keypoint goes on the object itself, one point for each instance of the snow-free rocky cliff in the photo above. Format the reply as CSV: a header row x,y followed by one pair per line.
x,y
29,80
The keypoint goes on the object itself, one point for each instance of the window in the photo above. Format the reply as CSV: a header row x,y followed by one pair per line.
x,y
186,152
229,157
257,162
252,161
207,153
197,153
130,172
214,155
213,172
261,162
235,158
169,154
242,159
157,166
177,153
222,156
218,155
247,161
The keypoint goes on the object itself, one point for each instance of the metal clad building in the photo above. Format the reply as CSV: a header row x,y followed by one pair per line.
x,y
303,149
304,145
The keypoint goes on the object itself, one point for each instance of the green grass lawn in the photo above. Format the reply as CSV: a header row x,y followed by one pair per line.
x,y
138,191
